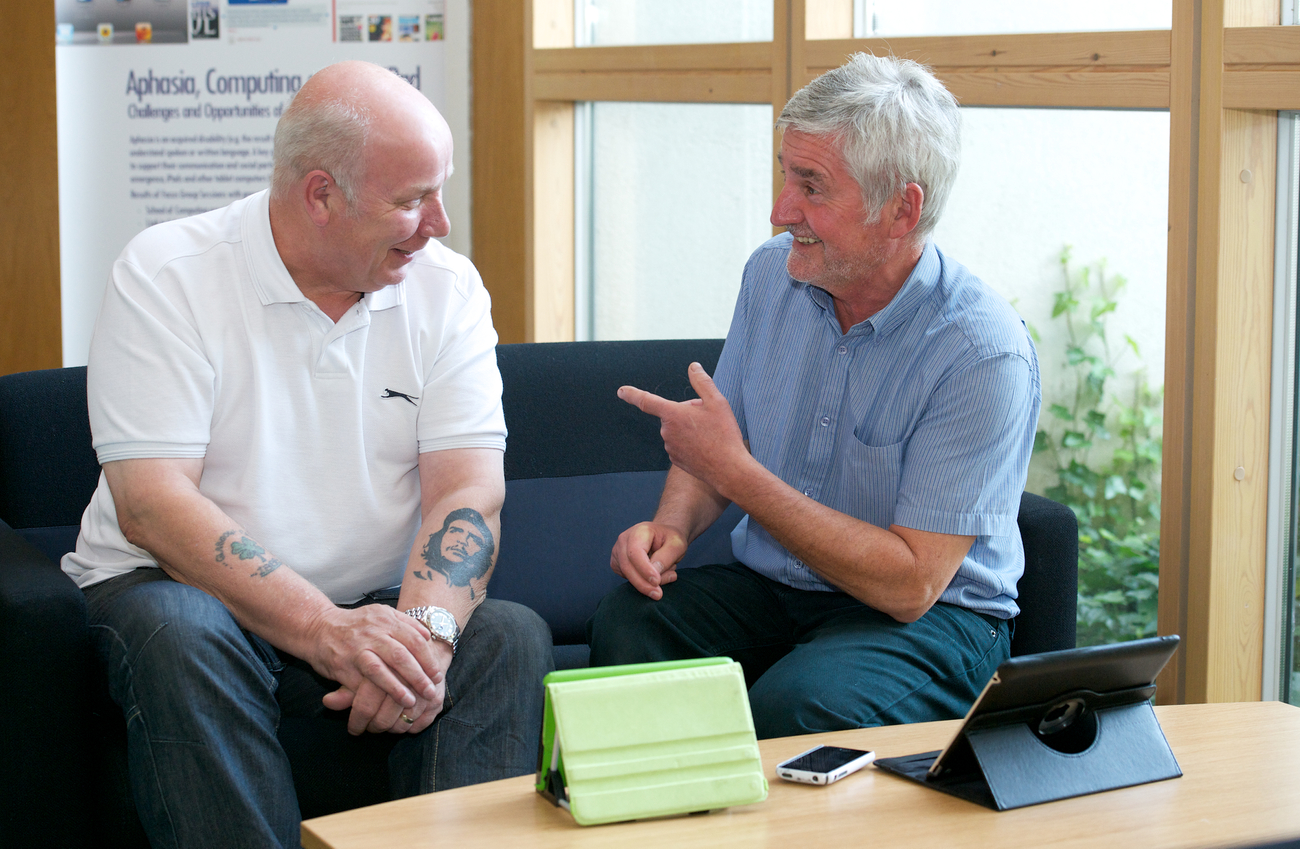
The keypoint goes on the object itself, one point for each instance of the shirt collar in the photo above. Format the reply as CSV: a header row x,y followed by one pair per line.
x,y
920,284
271,279
916,290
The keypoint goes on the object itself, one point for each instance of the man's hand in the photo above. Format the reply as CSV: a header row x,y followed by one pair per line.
x,y
375,711
646,555
700,435
385,664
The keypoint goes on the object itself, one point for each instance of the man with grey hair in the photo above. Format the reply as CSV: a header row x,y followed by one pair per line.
x,y
873,413
290,397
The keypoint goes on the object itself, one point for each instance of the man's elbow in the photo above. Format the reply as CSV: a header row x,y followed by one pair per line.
x,y
915,602
134,526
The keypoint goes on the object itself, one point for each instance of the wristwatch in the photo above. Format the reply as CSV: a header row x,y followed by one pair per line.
x,y
441,624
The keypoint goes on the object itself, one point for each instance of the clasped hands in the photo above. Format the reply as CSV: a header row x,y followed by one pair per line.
x,y
391,673
702,439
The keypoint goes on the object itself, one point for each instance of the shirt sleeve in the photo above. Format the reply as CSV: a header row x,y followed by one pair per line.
x,y
150,386
461,403
964,466
727,375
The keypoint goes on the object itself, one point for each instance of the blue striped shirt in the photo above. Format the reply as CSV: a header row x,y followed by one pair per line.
x,y
921,416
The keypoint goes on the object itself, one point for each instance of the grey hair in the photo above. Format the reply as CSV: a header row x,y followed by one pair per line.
x,y
321,134
896,124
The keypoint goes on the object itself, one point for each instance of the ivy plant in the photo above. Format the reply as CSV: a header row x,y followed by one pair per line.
x,y
1101,446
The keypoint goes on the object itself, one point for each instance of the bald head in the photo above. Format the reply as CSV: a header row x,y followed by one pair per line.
x,y
340,111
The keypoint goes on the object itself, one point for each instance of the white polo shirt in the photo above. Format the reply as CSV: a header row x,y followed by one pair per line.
x,y
310,430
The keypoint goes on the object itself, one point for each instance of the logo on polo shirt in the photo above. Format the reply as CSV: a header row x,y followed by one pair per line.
x,y
389,393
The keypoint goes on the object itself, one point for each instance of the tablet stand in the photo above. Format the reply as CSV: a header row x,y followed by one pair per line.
x,y
1082,743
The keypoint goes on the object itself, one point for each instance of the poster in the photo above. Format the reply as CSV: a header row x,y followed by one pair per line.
x,y
167,108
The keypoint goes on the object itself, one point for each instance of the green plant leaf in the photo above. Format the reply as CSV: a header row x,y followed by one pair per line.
x,y
1074,439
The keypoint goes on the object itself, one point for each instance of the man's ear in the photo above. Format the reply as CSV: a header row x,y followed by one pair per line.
x,y
321,197
907,206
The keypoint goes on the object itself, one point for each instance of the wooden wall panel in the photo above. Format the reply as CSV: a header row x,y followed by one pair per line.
x,y
552,301
498,210
1231,591
1175,485
30,321
828,19
1227,511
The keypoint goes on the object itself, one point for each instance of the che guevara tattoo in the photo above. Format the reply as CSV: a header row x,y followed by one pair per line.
x,y
462,551
245,549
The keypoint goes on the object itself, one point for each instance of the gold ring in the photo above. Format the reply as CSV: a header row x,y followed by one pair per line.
x,y
407,719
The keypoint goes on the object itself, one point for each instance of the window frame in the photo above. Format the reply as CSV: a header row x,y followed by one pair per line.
x,y
1222,71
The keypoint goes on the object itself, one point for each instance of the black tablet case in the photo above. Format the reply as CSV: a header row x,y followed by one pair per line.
x,y
1055,725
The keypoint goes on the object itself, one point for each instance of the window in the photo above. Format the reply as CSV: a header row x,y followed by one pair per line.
x,y
1214,478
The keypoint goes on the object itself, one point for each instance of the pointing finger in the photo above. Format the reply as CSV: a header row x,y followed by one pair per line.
x,y
646,402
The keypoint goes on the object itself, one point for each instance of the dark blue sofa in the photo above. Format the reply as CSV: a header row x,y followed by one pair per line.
x,y
580,467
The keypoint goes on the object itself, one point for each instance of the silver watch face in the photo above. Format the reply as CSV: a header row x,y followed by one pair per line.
x,y
440,623
444,624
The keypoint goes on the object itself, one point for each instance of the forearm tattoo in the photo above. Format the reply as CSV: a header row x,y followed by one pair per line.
x,y
246,549
462,551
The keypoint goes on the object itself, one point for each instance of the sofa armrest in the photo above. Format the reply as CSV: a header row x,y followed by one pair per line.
x,y
44,715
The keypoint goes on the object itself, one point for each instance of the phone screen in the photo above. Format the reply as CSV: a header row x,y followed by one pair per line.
x,y
825,759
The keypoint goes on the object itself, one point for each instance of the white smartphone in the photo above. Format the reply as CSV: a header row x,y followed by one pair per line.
x,y
823,764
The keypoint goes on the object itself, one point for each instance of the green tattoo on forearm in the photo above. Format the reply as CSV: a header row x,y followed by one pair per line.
x,y
247,549
221,545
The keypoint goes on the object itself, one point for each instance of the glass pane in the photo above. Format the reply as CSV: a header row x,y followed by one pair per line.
x,y
1064,213
875,18
612,22
680,195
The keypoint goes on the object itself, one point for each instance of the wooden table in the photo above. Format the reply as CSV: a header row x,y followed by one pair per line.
x,y
1240,785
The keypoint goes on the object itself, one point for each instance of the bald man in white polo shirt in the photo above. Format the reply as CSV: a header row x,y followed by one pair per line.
x,y
289,396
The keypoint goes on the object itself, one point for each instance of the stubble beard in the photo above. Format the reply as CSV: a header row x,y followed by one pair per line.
x,y
838,272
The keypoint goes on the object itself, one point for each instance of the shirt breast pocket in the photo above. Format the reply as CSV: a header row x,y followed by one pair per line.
x,y
869,481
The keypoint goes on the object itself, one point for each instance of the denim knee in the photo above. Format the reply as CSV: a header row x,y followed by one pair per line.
x,y
159,638
503,632
617,631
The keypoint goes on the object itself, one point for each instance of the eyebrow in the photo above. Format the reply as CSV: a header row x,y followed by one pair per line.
x,y
805,173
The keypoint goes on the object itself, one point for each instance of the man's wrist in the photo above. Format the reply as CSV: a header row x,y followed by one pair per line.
x,y
439,622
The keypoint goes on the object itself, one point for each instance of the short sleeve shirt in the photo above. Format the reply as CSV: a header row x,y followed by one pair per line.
x,y
310,431
921,416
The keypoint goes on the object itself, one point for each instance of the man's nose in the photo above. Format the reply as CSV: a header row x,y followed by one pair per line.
x,y
435,224
785,211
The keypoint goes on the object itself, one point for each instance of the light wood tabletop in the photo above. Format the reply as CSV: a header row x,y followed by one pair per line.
x,y
1240,785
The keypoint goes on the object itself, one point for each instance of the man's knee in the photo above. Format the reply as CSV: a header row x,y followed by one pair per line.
x,y
505,633
155,629
624,626
785,711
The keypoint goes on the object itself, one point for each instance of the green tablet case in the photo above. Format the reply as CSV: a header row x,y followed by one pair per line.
x,y
649,740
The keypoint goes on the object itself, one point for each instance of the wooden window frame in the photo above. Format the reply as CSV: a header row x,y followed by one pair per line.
x,y
1222,70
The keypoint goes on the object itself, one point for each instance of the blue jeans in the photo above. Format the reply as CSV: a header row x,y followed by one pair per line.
x,y
203,698
814,661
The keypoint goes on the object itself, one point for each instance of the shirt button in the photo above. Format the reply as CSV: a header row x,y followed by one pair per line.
x,y
826,420
843,349
808,492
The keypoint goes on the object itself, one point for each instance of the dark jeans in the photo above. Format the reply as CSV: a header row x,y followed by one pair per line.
x,y
203,698
814,661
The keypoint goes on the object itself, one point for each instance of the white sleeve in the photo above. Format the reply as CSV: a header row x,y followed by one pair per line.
x,y
461,402
149,383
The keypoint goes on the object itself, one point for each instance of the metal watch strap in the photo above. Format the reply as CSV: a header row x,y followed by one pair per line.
x,y
440,622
